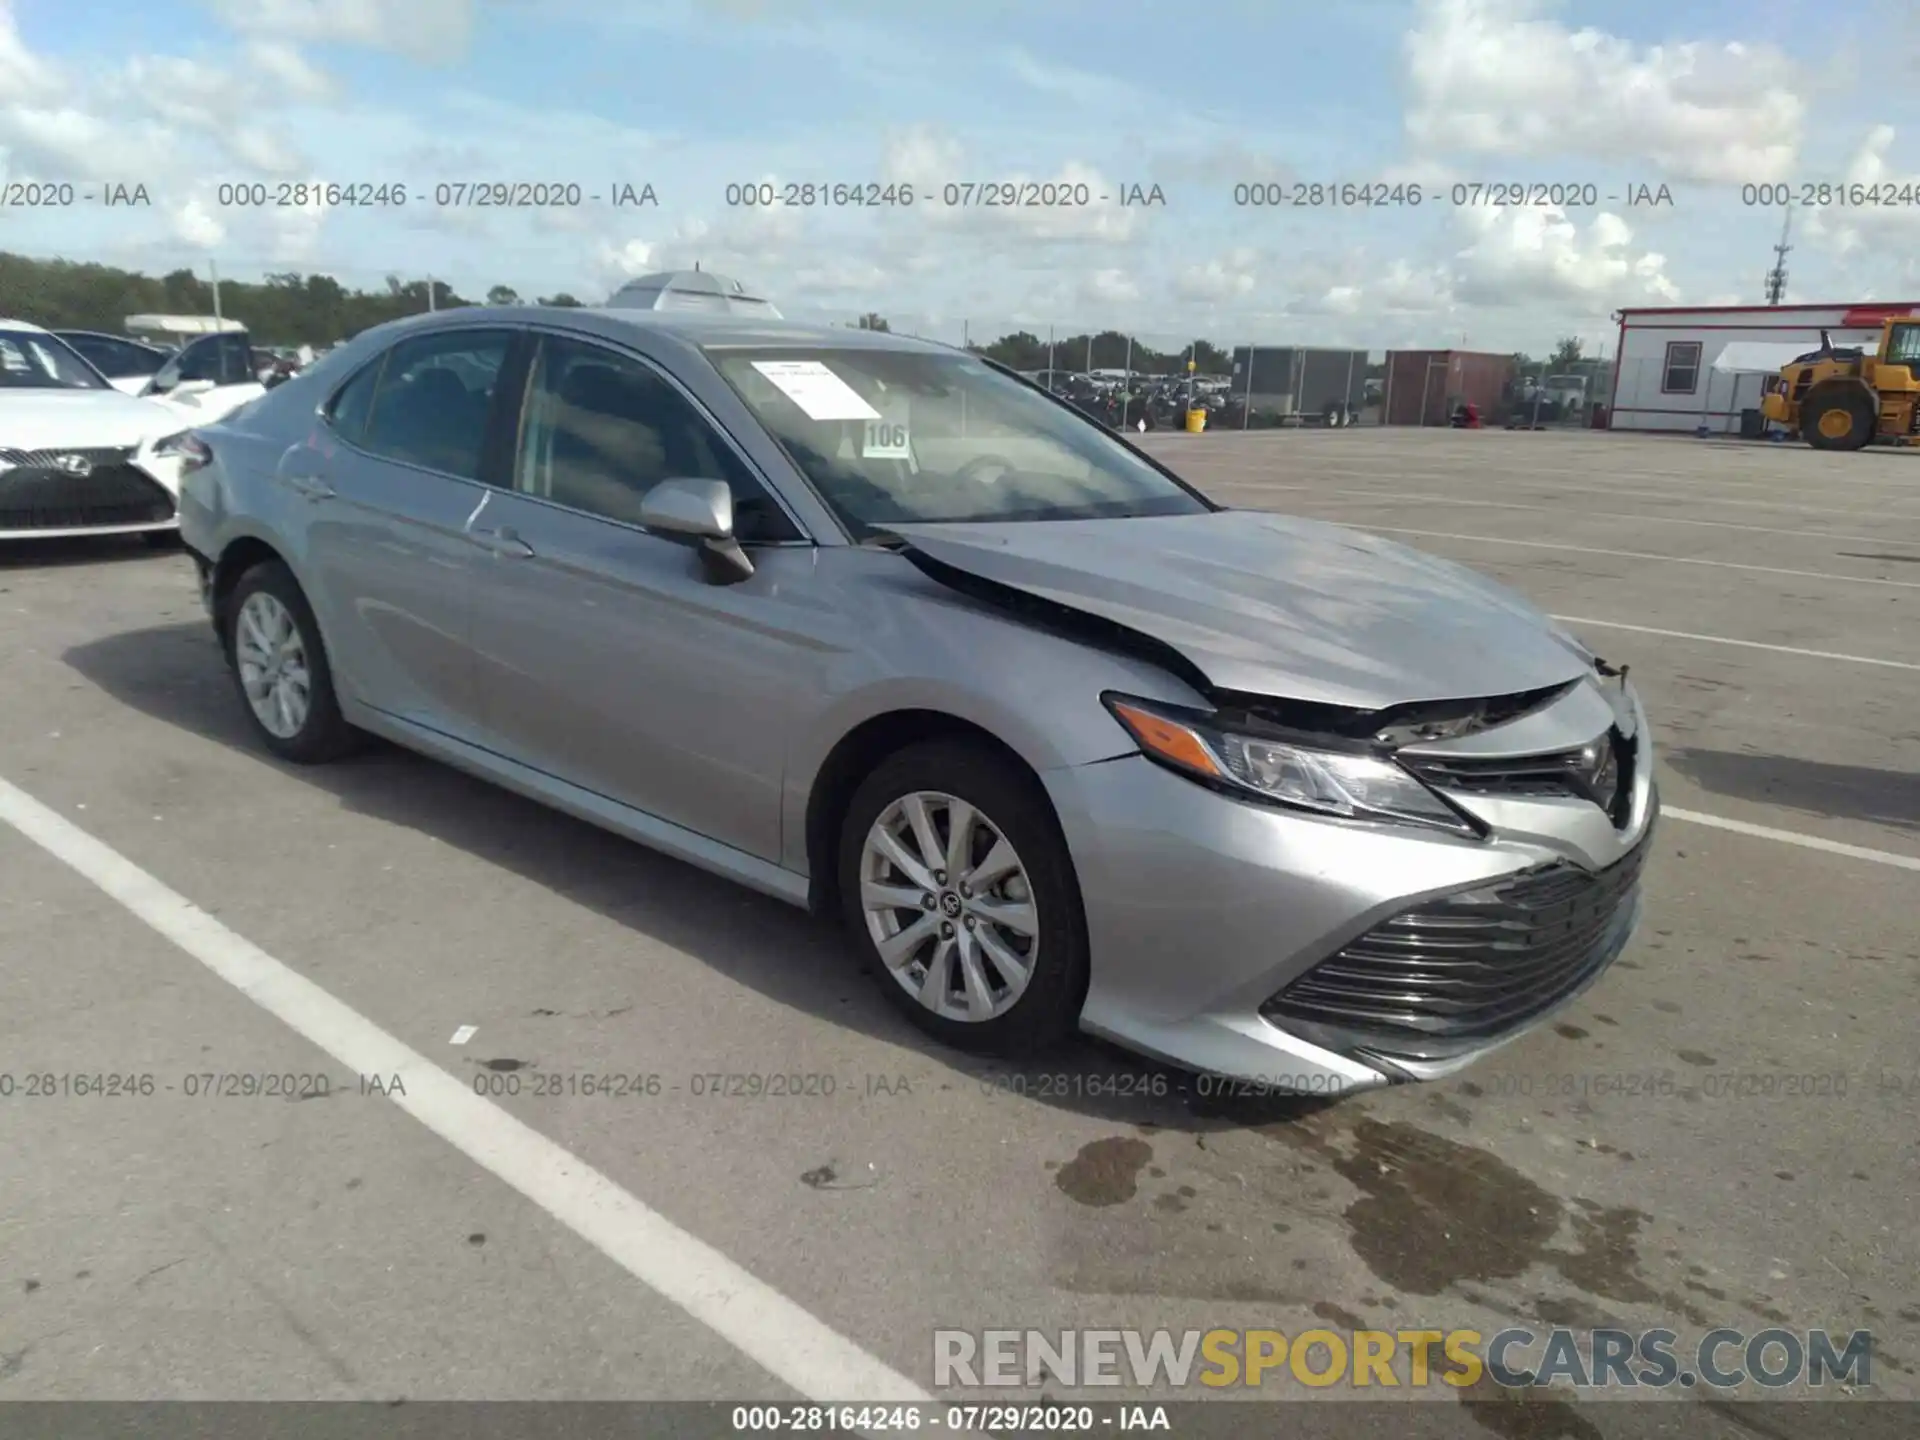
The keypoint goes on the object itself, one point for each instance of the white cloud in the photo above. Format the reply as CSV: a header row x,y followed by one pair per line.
x,y
288,71
1541,256
433,31
1227,277
195,223
25,79
1875,215
1502,78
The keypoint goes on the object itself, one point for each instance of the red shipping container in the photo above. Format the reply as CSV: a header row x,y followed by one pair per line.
x,y
1425,387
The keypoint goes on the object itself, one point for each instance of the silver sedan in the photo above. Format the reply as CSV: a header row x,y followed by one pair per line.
x,y
878,627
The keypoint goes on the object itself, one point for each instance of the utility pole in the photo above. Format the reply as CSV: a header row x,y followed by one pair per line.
x,y
213,269
431,307
1777,277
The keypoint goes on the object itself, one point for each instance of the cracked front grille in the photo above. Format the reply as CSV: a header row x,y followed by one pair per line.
x,y
36,493
1473,964
1602,773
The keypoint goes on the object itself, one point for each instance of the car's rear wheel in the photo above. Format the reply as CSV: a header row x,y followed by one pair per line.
x,y
280,665
961,898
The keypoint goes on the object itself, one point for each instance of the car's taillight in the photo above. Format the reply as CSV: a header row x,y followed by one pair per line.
x,y
188,448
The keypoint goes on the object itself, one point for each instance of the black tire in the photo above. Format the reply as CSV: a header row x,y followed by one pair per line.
x,y
1861,413
325,735
1048,1011
160,539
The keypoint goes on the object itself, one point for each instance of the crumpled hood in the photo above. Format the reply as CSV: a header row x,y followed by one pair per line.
x,y
82,419
1273,605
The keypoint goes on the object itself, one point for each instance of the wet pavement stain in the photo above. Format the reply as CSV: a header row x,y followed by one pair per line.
x,y
1572,1313
1433,1212
1435,1215
1335,1315
1105,1172
1452,1109
1525,1414
504,1067
1607,1261
1696,1057
1571,1032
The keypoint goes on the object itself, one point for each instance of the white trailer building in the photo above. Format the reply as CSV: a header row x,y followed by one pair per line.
x,y
1672,371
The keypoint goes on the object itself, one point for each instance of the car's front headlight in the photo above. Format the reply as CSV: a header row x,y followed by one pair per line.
x,y
1356,784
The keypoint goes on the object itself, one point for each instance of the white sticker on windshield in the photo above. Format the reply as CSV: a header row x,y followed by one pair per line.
x,y
889,437
822,394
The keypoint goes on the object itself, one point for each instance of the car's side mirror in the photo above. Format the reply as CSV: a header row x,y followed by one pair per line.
x,y
698,513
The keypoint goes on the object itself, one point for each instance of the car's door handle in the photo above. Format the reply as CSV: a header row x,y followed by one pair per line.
x,y
505,542
311,487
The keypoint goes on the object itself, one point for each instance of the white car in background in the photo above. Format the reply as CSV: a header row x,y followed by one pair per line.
x,y
206,378
78,457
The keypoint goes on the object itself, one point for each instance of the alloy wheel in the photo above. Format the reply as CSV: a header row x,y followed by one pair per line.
x,y
271,656
949,906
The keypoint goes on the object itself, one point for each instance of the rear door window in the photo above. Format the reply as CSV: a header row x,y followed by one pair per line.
x,y
432,401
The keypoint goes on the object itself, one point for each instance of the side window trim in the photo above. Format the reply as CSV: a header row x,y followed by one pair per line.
x,y
325,409
330,403
538,334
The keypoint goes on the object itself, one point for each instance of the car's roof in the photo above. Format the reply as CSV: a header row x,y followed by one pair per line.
x,y
702,329
104,335
31,329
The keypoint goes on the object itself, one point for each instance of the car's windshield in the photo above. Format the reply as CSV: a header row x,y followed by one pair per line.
x,y
30,360
898,436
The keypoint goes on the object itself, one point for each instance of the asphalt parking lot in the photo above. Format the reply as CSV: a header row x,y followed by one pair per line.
x,y
1721,1133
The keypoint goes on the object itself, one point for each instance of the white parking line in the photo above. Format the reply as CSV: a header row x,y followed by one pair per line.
x,y
1643,555
1743,644
1605,464
1600,485
761,1323
1368,497
1793,837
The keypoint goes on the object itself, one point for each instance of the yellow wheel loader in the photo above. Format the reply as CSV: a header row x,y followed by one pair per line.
x,y
1846,399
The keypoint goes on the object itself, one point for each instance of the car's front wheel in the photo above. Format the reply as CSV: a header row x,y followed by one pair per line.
x,y
961,897
280,665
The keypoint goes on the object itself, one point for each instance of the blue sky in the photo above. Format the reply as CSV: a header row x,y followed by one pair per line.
x,y
1701,96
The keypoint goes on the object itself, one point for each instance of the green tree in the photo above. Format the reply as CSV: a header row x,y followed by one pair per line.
x,y
503,295
871,321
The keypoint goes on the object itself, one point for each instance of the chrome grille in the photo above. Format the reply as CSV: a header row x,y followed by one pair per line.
x,y
50,459
37,496
1472,964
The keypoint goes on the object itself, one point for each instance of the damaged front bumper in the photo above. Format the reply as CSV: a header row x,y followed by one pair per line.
x,y
1314,955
